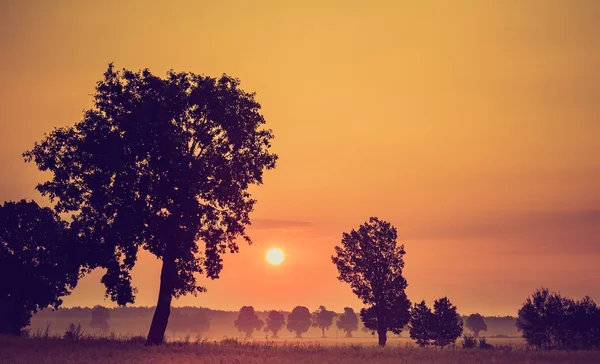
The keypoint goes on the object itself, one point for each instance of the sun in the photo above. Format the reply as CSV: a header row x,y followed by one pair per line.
x,y
275,256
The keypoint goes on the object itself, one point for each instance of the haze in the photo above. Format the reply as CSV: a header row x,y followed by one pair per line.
x,y
470,125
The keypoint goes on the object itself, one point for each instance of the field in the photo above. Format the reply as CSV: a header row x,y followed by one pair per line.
x,y
97,351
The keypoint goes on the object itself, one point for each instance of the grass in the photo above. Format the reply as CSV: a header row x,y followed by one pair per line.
x,y
132,351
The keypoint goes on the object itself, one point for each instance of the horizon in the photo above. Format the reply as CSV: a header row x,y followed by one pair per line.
x,y
470,126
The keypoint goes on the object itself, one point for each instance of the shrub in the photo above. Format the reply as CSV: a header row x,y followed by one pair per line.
x,y
469,342
73,332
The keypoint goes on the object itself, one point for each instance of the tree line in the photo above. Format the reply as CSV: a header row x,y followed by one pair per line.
x,y
165,165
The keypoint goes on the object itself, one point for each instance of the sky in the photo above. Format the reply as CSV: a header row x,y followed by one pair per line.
x,y
472,126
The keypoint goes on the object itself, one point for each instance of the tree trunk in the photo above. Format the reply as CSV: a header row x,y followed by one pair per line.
x,y
160,319
323,331
381,330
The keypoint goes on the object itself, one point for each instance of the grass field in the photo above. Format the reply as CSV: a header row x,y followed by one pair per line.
x,y
97,351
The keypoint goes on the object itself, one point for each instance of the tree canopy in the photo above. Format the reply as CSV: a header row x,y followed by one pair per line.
x,y
38,263
448,325
248,321
161,164
476,323
299,320
100,317
348,321
323,319
370,260
275,322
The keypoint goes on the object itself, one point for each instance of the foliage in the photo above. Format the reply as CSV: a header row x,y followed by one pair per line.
x,y
275,322
100,317
549,321
348,321
38,263
299,321
483,344
421,324
440,327
448,325
469,342
323,319
370,260
476,323
248,321
160,164
73,332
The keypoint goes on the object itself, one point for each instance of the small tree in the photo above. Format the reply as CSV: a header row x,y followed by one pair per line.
x,y
370,260
299,321
323,319
248,321
447,324
275,322
100,317
348,321
421,323
161,164
38,263
476,323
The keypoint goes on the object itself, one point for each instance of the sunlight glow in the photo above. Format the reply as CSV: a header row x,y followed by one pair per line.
x,y
275,256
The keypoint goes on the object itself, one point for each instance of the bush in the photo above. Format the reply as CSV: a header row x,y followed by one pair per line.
x,y
483,344
73,332
469,342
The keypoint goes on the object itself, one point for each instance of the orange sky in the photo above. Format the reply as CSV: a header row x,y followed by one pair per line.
x,y
471,125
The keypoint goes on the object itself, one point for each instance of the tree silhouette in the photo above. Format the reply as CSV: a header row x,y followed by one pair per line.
x,y
275,322
299,320
421,324
199,322
159,164
100,317
371,262
447,324
397,315
247,321
38,263
348,321
548,320
476,324
323,319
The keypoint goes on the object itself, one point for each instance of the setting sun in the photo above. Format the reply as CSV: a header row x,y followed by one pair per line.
x,y
275,256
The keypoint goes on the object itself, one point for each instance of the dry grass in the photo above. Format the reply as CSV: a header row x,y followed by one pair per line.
x,y
96,351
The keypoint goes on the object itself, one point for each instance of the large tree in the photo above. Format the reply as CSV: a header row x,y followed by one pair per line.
x,y
275,322
323,319
370,260
248,321
476,323
162,164
299,320
348,321
38,263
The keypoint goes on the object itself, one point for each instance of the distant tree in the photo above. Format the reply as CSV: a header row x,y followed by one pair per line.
x,y
178,322
421,324
38,263
100,317
476,323
162,164
299,321
371,262
275,322
447,324
199,322
248,321
323,319
348,321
